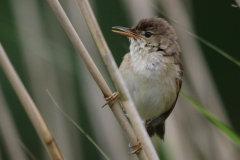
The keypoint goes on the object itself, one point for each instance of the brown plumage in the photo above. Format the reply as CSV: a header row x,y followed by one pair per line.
x,y
158,125
152,71
165,33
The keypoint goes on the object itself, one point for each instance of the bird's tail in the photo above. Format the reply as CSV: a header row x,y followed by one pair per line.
x,y
159,130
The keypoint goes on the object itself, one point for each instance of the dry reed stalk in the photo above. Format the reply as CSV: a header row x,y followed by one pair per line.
x,y
109,129
238,3
38,56
116,109
30,107
117,79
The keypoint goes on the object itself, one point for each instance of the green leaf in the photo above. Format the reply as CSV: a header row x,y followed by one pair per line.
x,y
220,125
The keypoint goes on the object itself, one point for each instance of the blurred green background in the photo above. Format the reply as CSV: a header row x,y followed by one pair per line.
x,y
44,58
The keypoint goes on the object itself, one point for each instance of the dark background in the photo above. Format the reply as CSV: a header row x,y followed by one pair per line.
x,y
215,21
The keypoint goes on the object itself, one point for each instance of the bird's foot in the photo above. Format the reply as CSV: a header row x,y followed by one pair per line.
x,y
111,99
138,149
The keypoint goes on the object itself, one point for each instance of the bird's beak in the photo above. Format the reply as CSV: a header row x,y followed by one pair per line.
x,y
125,31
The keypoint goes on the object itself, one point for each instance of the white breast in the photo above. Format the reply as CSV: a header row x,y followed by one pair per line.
x,y
151,82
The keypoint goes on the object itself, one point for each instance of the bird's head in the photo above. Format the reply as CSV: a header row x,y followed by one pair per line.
x,y
151,34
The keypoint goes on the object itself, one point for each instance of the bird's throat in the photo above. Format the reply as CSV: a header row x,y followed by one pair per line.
x,y
143,59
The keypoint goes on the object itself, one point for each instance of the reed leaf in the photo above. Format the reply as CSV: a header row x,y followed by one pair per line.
x,y
220,125
78,127
27,150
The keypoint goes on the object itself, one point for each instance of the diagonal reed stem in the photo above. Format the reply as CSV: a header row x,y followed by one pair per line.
x,y
30,107
116,109
117,79
238,3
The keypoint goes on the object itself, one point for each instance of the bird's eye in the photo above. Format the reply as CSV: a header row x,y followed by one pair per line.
x,y
148,34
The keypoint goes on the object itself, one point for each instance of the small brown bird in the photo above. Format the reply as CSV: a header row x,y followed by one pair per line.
x,y
152,71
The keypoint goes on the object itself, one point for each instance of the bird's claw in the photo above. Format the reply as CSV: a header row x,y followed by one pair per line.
x,y
138,149
111,99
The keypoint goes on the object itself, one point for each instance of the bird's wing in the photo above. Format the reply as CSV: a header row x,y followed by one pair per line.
x,y
161,119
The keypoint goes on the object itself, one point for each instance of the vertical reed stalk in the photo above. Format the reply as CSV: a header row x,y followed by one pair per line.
x,y
30,107
116,109
117,79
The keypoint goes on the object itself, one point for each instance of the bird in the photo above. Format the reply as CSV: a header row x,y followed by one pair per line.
x,y
152,71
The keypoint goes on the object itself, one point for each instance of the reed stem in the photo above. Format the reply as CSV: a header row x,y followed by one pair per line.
x,y
30,107
117,79
116,109
238,3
